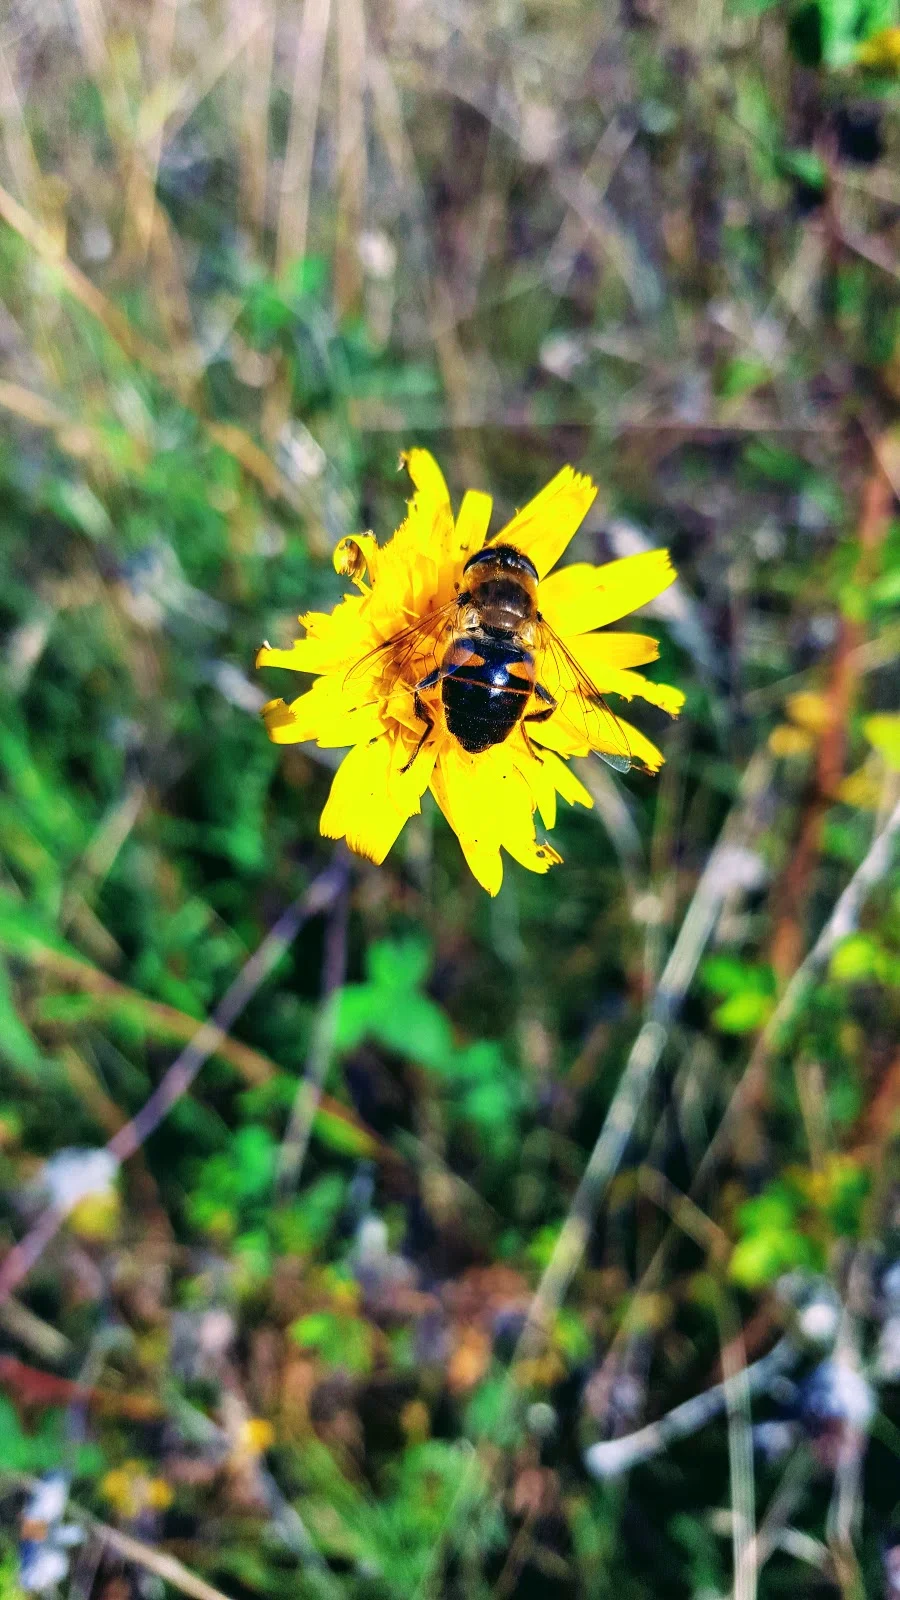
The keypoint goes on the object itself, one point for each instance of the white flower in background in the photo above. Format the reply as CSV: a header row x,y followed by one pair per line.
x,y
71,1175
45,1539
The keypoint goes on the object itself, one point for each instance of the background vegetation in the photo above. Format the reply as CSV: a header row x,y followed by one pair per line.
x,y
399,1341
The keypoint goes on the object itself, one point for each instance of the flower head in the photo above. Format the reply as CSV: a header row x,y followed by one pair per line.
x,y
380,665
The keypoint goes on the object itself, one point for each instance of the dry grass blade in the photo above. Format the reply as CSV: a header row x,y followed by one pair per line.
x,y
296,175
351,155
254,144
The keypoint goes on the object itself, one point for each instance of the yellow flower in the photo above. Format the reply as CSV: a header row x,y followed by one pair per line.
x,y
131,1490
255,1437
881,51
365,697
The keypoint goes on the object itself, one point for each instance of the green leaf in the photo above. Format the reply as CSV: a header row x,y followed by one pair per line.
x,y
308,1222
883,733
725,974
805,165
744,1013
856,959
762,1257
489,1104
741,376
341,1136
399,964
341,1341
16,1043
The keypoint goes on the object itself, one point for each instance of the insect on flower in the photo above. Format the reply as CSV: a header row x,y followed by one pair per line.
x,y
465,666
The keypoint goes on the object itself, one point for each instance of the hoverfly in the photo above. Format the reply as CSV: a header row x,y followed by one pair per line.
x,y
487,673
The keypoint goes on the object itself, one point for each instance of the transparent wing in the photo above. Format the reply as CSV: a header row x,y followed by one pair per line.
x,y
398,650
580,706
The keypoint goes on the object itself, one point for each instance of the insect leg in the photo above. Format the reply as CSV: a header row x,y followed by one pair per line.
x,y
429,682
549,705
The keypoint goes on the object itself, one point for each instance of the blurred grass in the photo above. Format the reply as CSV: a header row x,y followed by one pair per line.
x,y
247,255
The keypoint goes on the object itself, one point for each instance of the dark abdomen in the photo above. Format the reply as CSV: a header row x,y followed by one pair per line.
x,y
485,690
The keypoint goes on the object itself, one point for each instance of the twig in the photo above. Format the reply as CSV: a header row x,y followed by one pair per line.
x,y
843,920
166,1022
207,1039
722,870
787,939
167,1567
21,1323
309,1090
737,1391
725,864
611,1457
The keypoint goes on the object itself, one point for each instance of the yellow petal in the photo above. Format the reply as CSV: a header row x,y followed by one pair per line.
x,y
489,804
809,710
537,775
546,776
371,798
428,527
463,790
581,597
881,51
427,476
531,853
304,655
332,638
569,740
472,524
594,651
281,723
564,779
327,714
613,680
542,529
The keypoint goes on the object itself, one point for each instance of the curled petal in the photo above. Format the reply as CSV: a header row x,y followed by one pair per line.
x,y
530,853
356,556
579,598
371,798
542,529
